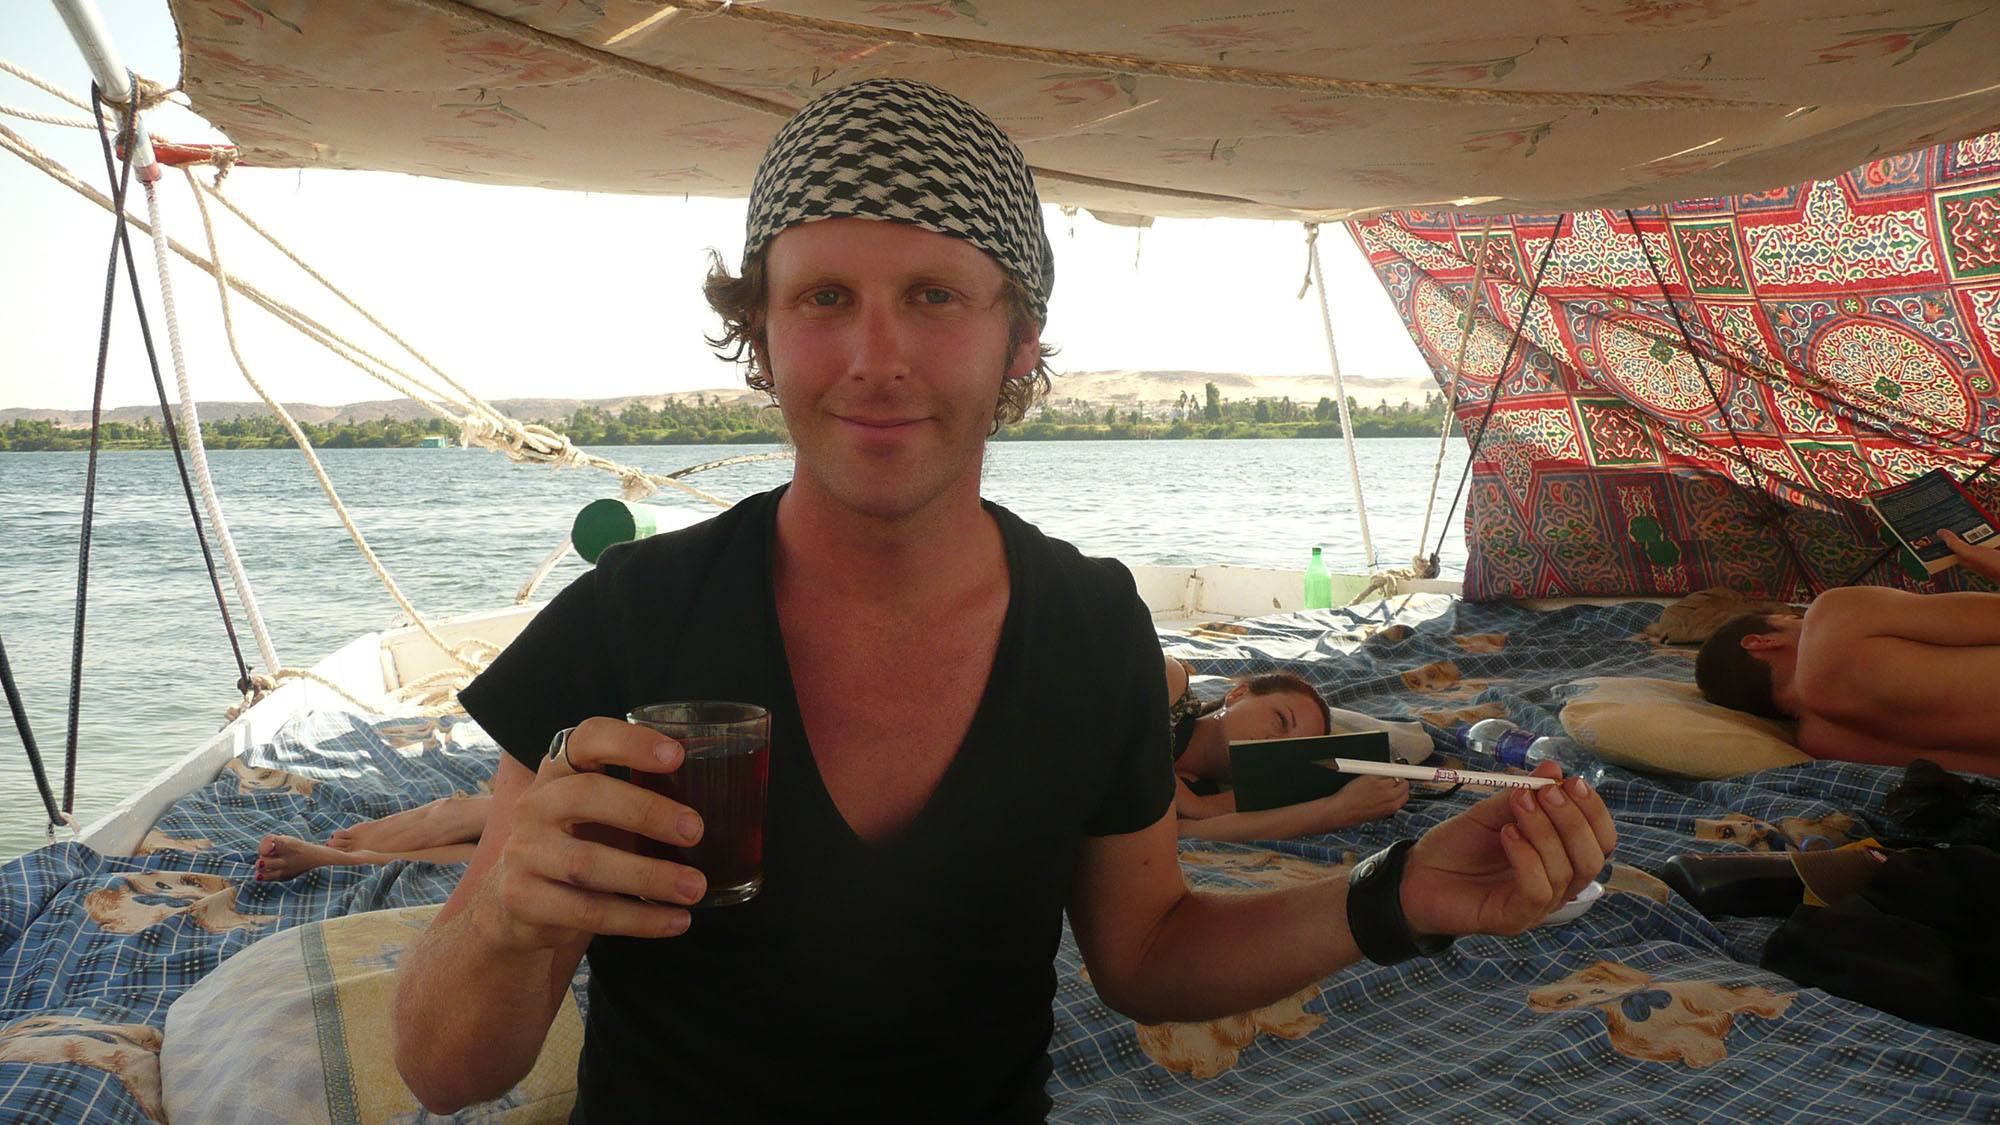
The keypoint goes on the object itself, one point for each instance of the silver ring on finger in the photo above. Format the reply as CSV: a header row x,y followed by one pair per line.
x,y
559,750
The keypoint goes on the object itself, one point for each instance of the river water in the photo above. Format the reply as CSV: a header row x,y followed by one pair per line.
x,y
461,531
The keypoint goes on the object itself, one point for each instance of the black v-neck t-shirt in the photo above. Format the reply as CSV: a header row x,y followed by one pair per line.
x,y
905,978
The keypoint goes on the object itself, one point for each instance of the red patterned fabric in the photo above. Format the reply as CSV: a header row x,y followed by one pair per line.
x,y
1849,328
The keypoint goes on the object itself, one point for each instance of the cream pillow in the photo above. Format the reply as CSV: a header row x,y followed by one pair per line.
x,y
1665,726
295,1028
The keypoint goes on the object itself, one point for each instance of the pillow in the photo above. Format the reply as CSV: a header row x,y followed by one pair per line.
x,y
1665,726
295,1028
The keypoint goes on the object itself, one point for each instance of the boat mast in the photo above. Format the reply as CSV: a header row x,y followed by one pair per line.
x,y
86,27
1317,278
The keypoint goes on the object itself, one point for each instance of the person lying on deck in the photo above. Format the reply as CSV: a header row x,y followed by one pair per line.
x,y
1272,705
446,830
1871,674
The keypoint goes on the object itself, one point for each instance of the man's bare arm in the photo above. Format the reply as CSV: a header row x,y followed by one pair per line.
x,y
1158,951
1850,614
470,1018
1828,739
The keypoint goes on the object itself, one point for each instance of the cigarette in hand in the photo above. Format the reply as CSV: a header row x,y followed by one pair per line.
x,y
1430,773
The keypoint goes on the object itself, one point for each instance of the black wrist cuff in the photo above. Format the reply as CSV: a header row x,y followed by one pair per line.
x,y
1375,909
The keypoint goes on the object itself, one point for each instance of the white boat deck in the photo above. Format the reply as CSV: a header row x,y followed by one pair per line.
x,y
373,666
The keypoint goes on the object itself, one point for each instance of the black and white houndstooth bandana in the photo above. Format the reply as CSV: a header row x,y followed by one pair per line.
x,y
893,149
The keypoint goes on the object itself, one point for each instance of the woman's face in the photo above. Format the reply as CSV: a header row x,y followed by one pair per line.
x,y
1283,714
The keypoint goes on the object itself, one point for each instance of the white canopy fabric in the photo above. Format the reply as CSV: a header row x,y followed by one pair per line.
x,y
1306,110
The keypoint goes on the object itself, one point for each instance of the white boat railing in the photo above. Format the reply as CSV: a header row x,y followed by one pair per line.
x,y
372,667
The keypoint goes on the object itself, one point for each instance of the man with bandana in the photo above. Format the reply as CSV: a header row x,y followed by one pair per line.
x,y
969,726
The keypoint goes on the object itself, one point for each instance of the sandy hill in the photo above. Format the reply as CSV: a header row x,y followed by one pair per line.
x,y
1153,388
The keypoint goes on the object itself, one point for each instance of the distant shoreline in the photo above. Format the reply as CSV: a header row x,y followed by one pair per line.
x,y
710,443
1209,417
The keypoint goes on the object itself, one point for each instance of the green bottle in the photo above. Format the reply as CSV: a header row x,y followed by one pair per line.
x,y
1319,584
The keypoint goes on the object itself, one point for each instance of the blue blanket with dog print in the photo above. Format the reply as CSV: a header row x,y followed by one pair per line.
x,y
1640,1010
94,948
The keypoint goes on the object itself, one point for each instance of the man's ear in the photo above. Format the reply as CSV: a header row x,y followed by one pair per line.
x,y
760,354
1026,354
1763,642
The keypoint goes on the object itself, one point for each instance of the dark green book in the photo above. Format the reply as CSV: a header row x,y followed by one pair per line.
x,y
1271,773
1915,509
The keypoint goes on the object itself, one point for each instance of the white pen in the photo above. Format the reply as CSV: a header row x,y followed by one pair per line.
x,y
1429,773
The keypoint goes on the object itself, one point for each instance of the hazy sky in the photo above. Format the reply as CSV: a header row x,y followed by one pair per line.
x,y
525,292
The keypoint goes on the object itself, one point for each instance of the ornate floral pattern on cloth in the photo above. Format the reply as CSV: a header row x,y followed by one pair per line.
x,y
1845,339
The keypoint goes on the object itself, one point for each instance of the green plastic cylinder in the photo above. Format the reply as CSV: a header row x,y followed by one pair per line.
x,y
602,523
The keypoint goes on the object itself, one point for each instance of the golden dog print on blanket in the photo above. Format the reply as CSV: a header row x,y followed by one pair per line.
x,y
1451,717
1696,617
1481,642
1673,1021
129,1052
133,902
1206,1049
413,737
252,779
1831,830
158,841
1444,680
1265,869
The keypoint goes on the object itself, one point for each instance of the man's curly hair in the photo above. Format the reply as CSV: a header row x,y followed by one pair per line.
x,y
740,301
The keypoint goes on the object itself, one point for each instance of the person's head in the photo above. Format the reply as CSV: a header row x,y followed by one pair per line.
x,y
901,156
1747,664
1273,705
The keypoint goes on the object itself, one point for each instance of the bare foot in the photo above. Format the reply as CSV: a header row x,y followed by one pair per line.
x,y
286,857
446,821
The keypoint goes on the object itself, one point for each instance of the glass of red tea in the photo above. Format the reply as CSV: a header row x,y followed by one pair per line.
x,y
724,777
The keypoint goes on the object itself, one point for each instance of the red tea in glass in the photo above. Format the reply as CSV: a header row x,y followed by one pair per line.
x,y
724,777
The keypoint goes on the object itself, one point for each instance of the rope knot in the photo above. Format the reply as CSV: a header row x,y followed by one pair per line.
x,y
1312,254
635,486
254,687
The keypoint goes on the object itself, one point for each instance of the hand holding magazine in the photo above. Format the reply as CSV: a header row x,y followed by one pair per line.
x,y
1918,508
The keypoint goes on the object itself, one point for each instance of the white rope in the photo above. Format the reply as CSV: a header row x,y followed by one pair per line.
x,y
43,85
1467,325
542,570
517,441
46,118
433,695
1340,391
483,425
305,445
190,420
473,400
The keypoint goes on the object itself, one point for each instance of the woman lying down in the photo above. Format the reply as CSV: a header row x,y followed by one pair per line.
x,y
1272,705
